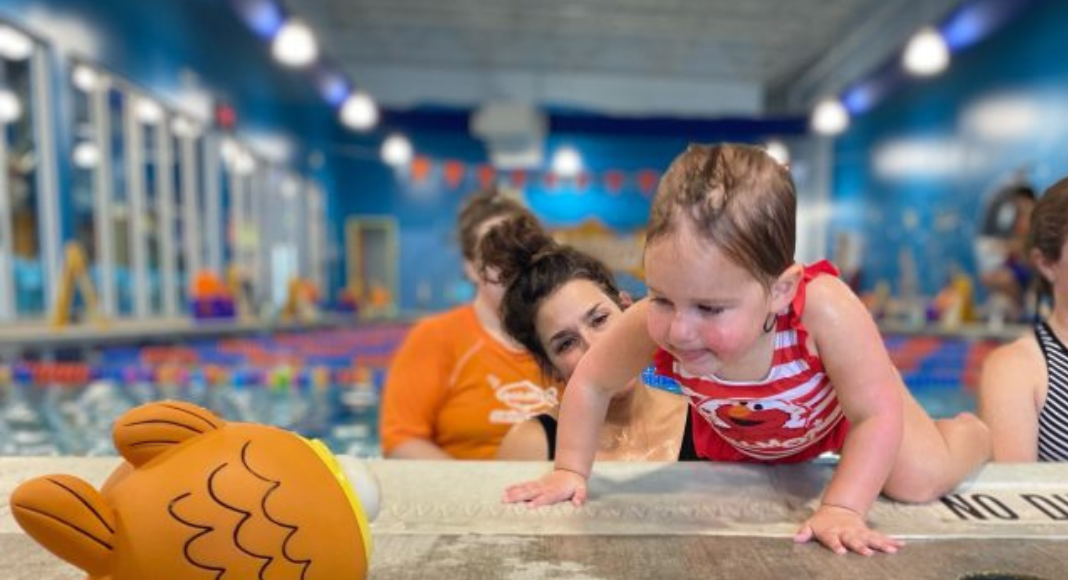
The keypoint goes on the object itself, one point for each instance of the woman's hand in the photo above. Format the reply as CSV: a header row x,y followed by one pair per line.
x,y
560,485
842,529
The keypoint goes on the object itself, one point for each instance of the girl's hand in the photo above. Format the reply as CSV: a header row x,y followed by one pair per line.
x,y
560,485
841,529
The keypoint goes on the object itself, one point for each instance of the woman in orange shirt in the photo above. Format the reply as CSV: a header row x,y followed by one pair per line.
x,y
458,383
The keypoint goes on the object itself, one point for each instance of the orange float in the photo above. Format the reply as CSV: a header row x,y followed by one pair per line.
x,y
198,497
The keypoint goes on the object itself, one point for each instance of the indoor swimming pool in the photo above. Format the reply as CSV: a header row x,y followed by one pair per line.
x,y
326,392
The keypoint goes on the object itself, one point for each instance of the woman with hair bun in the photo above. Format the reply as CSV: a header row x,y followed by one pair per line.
x,y
557,303
458,383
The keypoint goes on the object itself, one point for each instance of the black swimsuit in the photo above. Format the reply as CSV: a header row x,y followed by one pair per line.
x,y
686,450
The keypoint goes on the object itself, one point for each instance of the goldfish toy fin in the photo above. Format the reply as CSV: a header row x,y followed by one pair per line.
x,y
70,518
147,431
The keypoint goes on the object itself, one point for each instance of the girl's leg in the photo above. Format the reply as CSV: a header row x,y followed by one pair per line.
x,y
935,456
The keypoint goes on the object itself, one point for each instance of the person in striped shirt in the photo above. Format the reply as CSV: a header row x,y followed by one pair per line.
x,y
781,361
1023,389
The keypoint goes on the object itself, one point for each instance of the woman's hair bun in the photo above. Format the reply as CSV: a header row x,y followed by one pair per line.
x,y
513,245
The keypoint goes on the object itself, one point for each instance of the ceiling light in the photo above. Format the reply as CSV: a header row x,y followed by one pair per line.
x,y
183,127
10,107
86,155
397,150
830,117
244,163
926,53
84,78
359,112
567,162
229,150
14,44
295,44
778,151
148,111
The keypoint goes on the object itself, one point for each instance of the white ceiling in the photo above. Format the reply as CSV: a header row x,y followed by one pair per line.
x,y
628,57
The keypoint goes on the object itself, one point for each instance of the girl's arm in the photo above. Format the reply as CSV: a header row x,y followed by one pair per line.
x,y
870,391
1008,399
603,372
867,385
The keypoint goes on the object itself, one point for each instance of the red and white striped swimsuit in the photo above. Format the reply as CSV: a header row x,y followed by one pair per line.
x,y
792,415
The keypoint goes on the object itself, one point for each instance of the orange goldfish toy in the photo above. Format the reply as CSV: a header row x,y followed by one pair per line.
x,y
201,499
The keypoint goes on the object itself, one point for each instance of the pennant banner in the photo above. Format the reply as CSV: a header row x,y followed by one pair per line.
x,y
456,175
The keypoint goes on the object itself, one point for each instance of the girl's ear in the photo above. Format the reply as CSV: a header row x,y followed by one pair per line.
x,y
784,288
625,300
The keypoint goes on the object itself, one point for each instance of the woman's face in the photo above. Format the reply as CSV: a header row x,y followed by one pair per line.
x,y
570,320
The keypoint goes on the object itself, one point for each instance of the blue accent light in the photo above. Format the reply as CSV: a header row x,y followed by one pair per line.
x,y
967,26
862,97
859,99
975,21
333,87
264,17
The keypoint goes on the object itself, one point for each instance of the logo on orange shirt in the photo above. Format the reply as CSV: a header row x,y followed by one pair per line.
x,y
524,399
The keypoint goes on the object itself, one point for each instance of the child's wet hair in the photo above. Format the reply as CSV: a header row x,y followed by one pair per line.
x,y
1049,227
532,266
736,197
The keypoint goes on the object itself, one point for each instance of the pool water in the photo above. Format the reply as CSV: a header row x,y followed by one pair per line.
x,y
75,419
62,420
323,385
942,373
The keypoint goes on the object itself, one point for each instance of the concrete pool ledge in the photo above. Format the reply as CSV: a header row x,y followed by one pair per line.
x,y
1018,501
447,518
1000,501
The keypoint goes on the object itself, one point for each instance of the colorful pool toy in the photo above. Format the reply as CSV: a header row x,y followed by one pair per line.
x,y
199,497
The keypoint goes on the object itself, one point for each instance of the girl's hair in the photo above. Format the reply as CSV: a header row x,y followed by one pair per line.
x,y
1049,227
736,197
531,267
480,208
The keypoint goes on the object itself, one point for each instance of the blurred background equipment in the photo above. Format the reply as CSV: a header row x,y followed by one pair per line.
x,y
260,218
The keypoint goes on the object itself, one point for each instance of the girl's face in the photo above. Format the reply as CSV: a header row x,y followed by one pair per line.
x,y
570,320
706,310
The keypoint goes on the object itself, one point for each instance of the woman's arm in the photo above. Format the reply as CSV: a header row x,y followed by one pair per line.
x,y
1007,399
525,441
416,448
415,390
606,369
